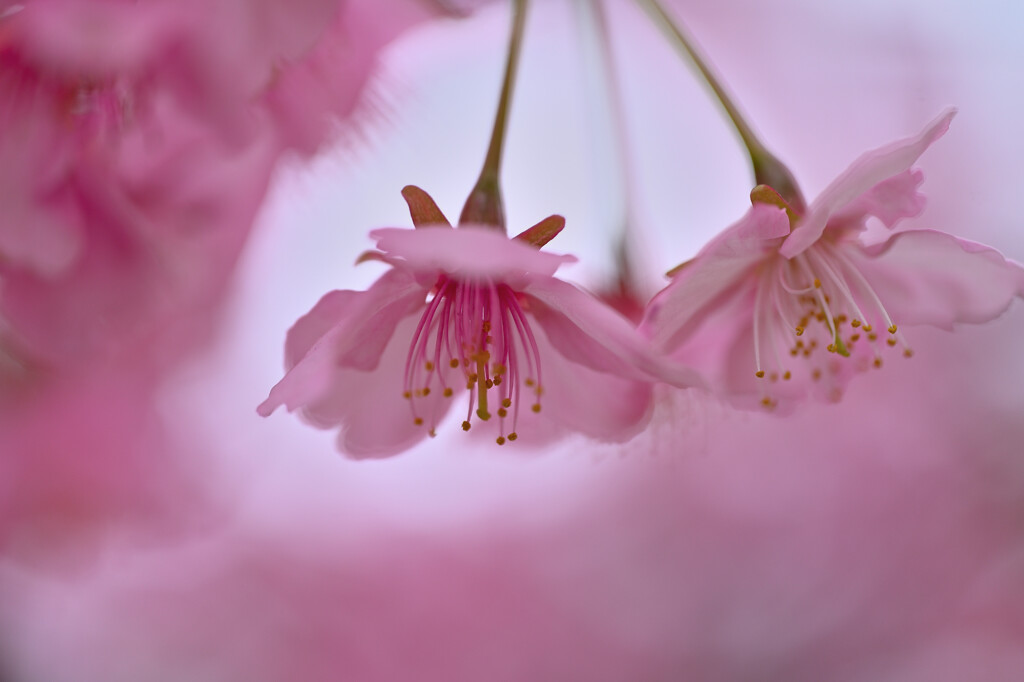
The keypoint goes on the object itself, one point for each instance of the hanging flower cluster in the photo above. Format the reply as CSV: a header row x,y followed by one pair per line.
x,y
138,143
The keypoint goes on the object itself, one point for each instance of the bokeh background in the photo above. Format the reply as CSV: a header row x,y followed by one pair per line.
x,y
878,539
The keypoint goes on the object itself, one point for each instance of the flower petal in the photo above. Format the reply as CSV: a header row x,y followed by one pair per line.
x,y
890,201
930,277
590,333
594,403
678,310
862,175
467,252
344,329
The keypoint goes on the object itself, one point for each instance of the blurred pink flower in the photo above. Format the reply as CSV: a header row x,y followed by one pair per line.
x,y
137,144
465,307
773,312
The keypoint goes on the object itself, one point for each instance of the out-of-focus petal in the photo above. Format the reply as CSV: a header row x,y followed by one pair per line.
x,y
863,174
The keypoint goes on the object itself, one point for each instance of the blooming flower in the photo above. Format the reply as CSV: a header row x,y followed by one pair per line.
x,y
470,310
781,304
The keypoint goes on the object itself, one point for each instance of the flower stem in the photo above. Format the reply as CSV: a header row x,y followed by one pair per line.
x,y
485,205
768,170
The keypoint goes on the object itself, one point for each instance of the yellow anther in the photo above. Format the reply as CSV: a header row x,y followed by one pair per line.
x,y
766,401
855,322
794,351
877,362
500,440
507,402
831,348
432,433
817,283
867,327
840,318
799,331
529,382
816,374
502,412
759,374
448,392
489,384
425,392
429,366
892,328
472,377
499,370
497,381
536,407
907,353
854,337
891,341
407,395
786,376
465,426
513,436
872,336
453,363
418,421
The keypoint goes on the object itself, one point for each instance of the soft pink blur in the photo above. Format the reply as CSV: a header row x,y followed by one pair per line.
x,y
878,539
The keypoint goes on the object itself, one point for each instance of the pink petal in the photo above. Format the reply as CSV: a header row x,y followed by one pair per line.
x,y
347,329
866,172
469,251
890,201
594,403
678,310
590,333
930,277
375,420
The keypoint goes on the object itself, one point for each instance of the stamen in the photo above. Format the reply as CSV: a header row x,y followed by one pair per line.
x,y
865,285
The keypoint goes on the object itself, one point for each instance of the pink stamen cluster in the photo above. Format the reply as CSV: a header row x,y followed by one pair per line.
x,y
476,328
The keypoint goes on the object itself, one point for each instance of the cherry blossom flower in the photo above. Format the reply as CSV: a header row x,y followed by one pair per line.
x,y
782,304
466,310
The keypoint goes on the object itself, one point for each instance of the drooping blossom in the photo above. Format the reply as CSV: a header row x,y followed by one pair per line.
x,y
466,310
782,304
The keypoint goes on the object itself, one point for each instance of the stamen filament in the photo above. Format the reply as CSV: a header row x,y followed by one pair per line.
x,y
865,285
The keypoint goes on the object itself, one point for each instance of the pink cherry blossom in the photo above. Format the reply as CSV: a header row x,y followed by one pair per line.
x,y
466,310
781,304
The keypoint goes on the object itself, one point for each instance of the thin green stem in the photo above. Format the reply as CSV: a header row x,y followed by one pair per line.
x,y
768,170
485,204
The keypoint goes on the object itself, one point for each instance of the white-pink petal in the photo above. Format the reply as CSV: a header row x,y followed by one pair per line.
x,y
863,174
930,277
